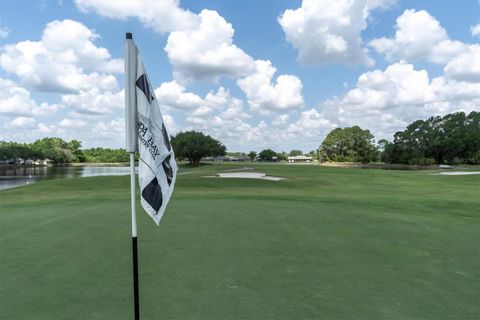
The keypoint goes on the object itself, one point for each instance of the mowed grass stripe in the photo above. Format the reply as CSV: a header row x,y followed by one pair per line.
x,y
325,243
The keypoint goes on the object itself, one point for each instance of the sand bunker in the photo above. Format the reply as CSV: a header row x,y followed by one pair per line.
x,y
459,173
247,175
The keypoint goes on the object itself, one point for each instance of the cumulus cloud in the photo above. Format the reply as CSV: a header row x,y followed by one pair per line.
x,y
387,101
94,101
173,94
72,123
280,120
199,46
160,15
465,66
417,33
63,64
207,52
16,101
420,36
21,123
329,31
264,96
310,122
112,131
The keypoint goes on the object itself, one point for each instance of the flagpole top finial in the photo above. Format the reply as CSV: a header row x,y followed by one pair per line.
x,y
128,35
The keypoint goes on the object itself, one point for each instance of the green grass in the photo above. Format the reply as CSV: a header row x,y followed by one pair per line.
x,y
326,243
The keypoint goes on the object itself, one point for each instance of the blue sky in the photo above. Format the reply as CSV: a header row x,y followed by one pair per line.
x,y
254,74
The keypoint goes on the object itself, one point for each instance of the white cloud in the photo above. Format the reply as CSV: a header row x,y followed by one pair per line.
x,y
280,120
45,128
387,101
113,130
417,33
264,97
21,123
16,101
173,94
465,66
94,101
72,123
475,30
207,52
160,15
63,64
419,36
329,31
310,122
199,111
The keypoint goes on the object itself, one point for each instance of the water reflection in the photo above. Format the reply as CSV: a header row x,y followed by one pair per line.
x,y
11,177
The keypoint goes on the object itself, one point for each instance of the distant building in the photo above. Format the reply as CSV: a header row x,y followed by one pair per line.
x,y
299,159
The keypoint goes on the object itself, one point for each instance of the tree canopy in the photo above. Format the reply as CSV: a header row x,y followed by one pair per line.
x,y
55,149
295,152
195,145
348,144
267,155
452,139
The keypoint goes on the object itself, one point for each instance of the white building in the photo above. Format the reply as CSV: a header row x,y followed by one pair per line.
x,y
299,159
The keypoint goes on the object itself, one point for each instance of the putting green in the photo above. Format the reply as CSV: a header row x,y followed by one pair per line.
x,y
325,243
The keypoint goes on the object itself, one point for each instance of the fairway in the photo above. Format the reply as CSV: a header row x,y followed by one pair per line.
x,y
324,243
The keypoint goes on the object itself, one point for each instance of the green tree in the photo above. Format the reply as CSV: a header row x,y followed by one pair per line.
x,y
295,152
348,144
105,155
195,145
74,147
282,156
252,155
453,139
313,154
267,155
55,149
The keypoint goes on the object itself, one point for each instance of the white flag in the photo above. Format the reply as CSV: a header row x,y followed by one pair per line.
x,y
157,168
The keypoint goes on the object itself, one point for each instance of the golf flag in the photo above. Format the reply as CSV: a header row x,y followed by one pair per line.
x,y
157,168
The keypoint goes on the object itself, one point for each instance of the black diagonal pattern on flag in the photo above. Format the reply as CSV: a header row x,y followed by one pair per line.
x,y
167,167
166,141
152,193
144,85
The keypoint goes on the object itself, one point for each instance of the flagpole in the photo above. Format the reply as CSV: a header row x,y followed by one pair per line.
x,y
131,139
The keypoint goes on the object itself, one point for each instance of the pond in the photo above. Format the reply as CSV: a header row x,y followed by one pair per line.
x,y
11,177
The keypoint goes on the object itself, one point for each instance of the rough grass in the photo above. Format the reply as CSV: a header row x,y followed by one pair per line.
x,y
326,243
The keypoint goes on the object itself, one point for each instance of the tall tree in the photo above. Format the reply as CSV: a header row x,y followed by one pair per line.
x,y
195,145
252,155
295,152
267,155
453,139
348,144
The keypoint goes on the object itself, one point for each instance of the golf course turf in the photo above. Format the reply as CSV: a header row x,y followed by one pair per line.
x,y
324,243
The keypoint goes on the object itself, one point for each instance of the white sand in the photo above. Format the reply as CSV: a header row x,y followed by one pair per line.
x,y
248,175
459,173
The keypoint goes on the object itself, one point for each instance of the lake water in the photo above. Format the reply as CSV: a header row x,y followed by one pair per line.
x,y
14,177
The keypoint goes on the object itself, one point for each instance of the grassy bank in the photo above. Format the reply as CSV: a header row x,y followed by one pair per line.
x,y
326,243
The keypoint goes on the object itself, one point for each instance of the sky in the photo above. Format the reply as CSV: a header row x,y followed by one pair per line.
x,y
254,74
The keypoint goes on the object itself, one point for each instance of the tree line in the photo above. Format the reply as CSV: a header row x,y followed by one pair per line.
x,y
452,139
59,151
